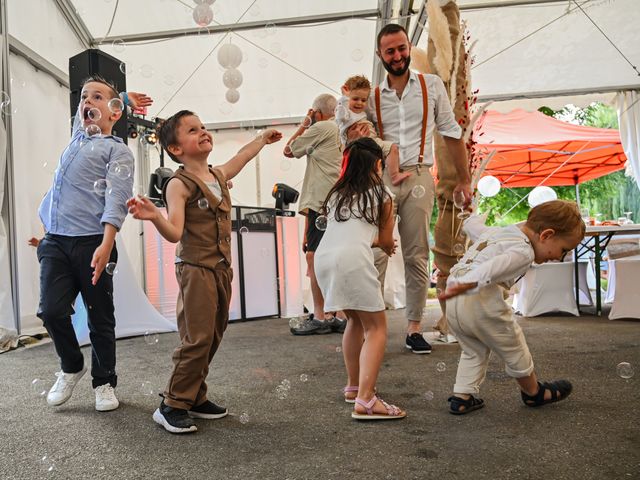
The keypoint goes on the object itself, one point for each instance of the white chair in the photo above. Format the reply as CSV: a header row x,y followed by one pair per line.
x,y
586,278
547,288
626,299
611,278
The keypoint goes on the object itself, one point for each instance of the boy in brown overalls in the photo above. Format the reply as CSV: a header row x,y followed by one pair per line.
x,y
198,208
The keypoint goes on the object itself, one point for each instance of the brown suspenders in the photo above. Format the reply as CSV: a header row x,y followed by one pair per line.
x,y
425,112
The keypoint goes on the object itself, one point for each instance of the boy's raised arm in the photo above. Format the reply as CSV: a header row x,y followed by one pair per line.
x,y
246,153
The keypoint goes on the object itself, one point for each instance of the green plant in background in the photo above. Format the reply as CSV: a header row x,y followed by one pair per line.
x,y
611,195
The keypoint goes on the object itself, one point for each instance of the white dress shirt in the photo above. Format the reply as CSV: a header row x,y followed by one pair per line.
x,y
402,117
504,255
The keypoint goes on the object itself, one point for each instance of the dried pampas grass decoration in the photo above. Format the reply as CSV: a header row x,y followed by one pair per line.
x,y
439,35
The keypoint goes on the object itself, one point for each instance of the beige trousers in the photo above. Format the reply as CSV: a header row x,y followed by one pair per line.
x,y
202,315
415,214
483,323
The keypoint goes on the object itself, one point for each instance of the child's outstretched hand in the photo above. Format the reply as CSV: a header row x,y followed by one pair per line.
x,y
139,100
142,208
271,136
456,289
34,242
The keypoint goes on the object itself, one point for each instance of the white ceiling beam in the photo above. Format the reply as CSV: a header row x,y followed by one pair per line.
x,y
38,62
556,93
76,24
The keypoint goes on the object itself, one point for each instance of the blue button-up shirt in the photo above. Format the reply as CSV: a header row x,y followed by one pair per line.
x,y
72,207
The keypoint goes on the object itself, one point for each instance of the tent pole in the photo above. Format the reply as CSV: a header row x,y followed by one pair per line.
x,y
9,184
578,195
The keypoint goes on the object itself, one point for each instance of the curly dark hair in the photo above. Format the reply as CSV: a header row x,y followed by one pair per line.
x,y
360,188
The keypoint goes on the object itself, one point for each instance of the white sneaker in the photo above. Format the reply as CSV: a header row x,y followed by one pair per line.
x,y
106,398
63,388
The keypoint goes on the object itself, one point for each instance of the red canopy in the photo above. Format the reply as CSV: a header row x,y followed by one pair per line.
x,y
535,149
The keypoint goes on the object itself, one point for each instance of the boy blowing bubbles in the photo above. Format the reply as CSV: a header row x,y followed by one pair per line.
x,y
198,208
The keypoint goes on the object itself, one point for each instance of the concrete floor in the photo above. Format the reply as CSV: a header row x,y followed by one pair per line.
x,y
310,435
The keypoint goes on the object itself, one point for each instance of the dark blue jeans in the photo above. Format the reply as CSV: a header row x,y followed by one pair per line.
x,y
65,271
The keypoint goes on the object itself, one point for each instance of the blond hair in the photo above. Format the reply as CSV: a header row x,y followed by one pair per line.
x,y
358,82
560,215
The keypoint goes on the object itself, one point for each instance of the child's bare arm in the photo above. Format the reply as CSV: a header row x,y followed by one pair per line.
x,y
456,289
172,227
385,239
246,153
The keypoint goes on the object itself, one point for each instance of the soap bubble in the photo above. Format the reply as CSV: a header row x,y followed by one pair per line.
x,y
418,191
94,114
270,28
118,45
147,389
93,130
203,15
428,395
458,249
307,122
115,105
5,103
441,367
338,349
110,268
146,71
151,338
285,165
398,218
357,55
122,171
100,186
625,370
39,387
243,230
244,418
281,392
304,377
203,204
169,80
321,223
286,384
126,68
345,212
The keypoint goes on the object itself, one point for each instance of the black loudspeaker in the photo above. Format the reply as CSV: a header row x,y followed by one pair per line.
x,y
96,62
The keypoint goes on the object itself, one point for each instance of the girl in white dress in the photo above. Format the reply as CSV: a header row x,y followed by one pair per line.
x,y
359,215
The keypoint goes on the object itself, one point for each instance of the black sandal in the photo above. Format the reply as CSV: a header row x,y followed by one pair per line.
x,y
560,389
460,406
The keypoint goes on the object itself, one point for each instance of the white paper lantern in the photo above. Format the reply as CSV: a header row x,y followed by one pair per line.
x,y
232,95
229,55
203,15
232,78
540,195
488,186
200,2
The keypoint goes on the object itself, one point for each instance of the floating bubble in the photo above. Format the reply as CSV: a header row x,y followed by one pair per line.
x,y
5,103
232,78
100,186
146,71
428,395
357,55
281,392
304,377
275,47
286,384
110,268
39,387
263,62
115,105
309,150
244,418
93,130
307,122
118,45
287,150
345,212
418,191
203,15
230,55
441,367
169,80
203,204
338,349
151,338
94,114
458,249
625,370
122,171
285,165
321,223
398,218
232,95
126,68
147,389
243,230
270,28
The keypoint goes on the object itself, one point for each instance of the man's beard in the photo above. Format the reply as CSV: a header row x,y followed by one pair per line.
x,y
396,72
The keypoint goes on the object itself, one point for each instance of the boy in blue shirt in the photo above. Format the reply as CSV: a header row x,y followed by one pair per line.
x,y
81,214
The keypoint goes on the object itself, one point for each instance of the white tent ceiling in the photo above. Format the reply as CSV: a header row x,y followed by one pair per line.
x,y
537,48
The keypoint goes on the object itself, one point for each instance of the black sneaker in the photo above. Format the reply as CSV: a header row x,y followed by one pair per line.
x,y
208,410
417,344
174,420
311,326
337,324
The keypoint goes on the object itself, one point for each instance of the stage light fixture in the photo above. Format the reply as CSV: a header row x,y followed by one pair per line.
x,y
151,138
284,195
132,132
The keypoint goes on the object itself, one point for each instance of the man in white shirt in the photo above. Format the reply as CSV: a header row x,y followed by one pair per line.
x,y
400,108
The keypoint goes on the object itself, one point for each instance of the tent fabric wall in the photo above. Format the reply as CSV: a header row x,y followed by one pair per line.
x,y
628,104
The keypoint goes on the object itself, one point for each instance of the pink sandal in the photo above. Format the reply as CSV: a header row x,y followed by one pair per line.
x,y
350,389
393,412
